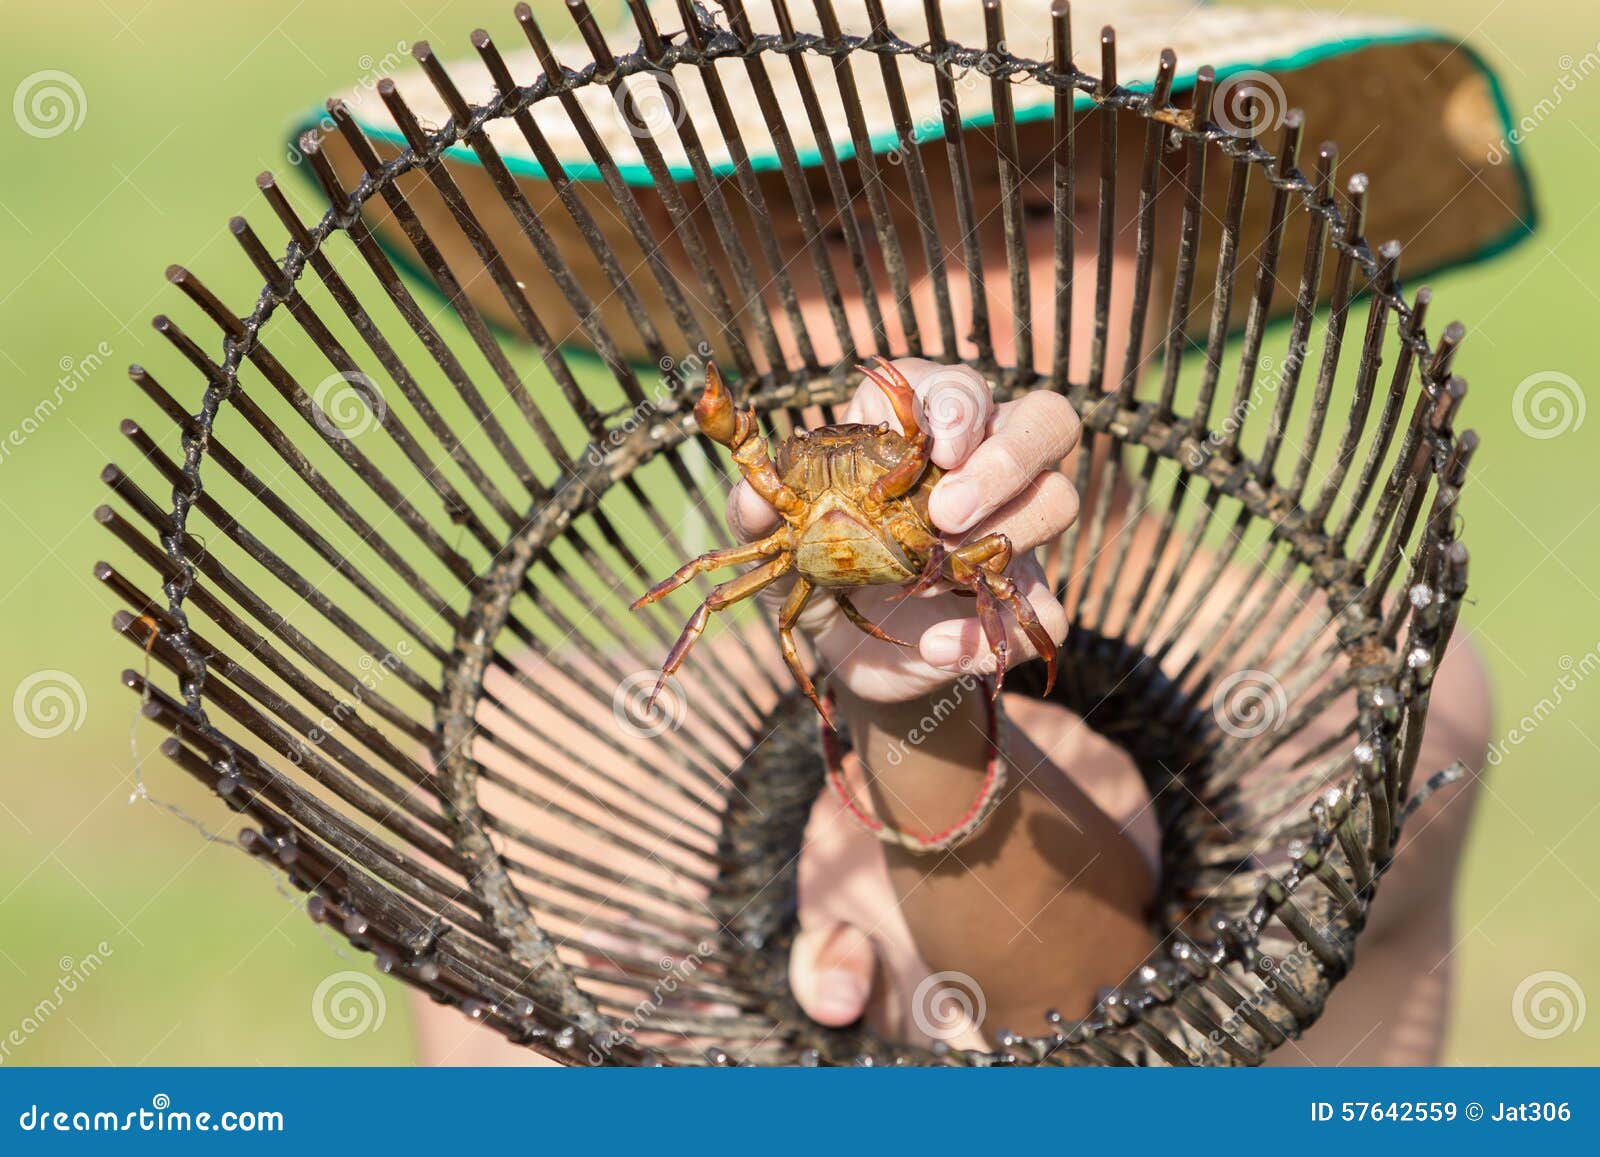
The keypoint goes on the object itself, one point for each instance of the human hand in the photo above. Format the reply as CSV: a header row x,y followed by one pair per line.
x,y
1041,908
1000,477
1000,463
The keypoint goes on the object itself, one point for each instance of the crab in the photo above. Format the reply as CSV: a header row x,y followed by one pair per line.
x,y
854,503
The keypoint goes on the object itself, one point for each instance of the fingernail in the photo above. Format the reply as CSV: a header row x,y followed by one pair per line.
x,y
958,505
941,646
840,996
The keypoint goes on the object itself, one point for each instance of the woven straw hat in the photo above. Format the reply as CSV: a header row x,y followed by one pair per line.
x,y
1418,113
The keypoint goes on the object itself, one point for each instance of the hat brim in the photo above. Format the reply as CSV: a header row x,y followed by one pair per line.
x,y
1422,116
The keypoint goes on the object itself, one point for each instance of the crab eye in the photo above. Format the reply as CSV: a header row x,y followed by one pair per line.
x,y
883,427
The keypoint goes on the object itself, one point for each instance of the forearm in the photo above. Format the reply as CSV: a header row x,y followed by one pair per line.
x,y
1045,904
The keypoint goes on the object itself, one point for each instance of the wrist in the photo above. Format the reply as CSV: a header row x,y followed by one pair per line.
x,y
922,759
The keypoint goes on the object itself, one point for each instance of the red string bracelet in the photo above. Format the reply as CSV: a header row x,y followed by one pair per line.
x,y
958,833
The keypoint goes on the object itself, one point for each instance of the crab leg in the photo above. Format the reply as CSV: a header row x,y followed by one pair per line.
x,y
739,431
898,390
899,481
758,551
1006,591
994,627
980,567
728,593
853,613
787,618
932,572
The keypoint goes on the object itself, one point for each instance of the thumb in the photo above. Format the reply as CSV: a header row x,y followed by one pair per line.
x,y
830,973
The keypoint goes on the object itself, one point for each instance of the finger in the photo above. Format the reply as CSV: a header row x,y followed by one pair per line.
x,y
960,645
749,515
1044,510
830,973
955,406
1029,435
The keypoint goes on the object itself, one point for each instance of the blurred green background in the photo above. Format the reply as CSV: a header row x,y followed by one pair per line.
x,y
203,959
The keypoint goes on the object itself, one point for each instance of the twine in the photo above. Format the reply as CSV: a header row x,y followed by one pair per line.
x,y
968,825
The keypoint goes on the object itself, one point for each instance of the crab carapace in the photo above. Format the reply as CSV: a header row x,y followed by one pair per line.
x,y
854,504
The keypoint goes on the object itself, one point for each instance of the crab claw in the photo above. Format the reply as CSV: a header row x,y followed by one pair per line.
x,y
902,398
932,572
1028,619
714,412
994,630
